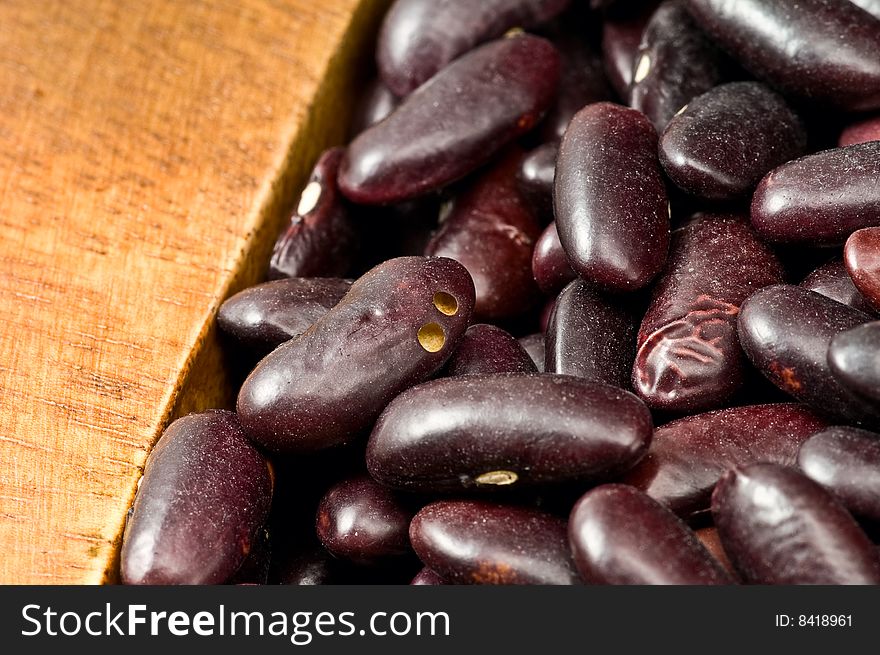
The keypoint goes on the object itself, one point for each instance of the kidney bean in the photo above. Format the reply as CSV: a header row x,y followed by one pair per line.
x,y
723,142
396,327
621,36
492,233
689,357
473,542
547,314
590,335
376,103
535,180
821,50
621,536
820,199
460,433
846,461
708,536
509,84
550,266
689,455
861,255
203,498
533,344
319,240
255,568
675,62
362,521
785,331
610,199
489,349
861,131
871,6
265,316
780,527
854,359
427,577
420,37
833,281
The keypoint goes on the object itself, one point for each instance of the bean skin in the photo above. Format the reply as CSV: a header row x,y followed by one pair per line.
x,y
488,349
820,199
460,433
550,265
780,527
846,461
860,132
689,455
723,142
432,138
621,36
610,199
821,50
833,281
533,344
619,535
591,336
264,316
376,103
854,359
395,328
420,37
204,496
427,577
319,240
861,255
785,331
689,358
474,542
535,180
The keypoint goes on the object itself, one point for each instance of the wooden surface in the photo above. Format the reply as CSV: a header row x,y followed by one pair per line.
x,y
148,151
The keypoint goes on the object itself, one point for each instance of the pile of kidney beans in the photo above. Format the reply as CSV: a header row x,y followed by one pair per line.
x,y
590,297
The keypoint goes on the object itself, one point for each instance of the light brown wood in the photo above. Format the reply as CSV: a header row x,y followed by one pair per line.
x,y
148,151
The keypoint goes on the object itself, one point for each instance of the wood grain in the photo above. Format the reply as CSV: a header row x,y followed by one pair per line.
x,y
148,151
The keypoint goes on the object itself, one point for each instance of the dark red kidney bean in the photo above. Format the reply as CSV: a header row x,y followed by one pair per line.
x,y
822,50
689,358
203,498
547,314
376,103
785,331
621,36
708,536
675,62
610,199
427,577
535,180
591,336
860,132
820,199
460,433
533,344
319,240
861,255
395,328
854,358
833,281
363,522
432,139
492,233
473,542
780,527
619,535
723,142
264,316
486,349
420,37
846,461
550,265
688,456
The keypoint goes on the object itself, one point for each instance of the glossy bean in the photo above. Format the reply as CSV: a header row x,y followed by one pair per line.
x,y
473,542
550,266
203,498
420,37
621,36
491,231
689,358
861,255
619,535
861,131
591,335
780,527
427,577
833,281
535,180
460,433
319,240
820,199
376,102
610,199
689,455
396,327
533,344
821,50
488,349
266,315
432,139
854,359
785,331
724,141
